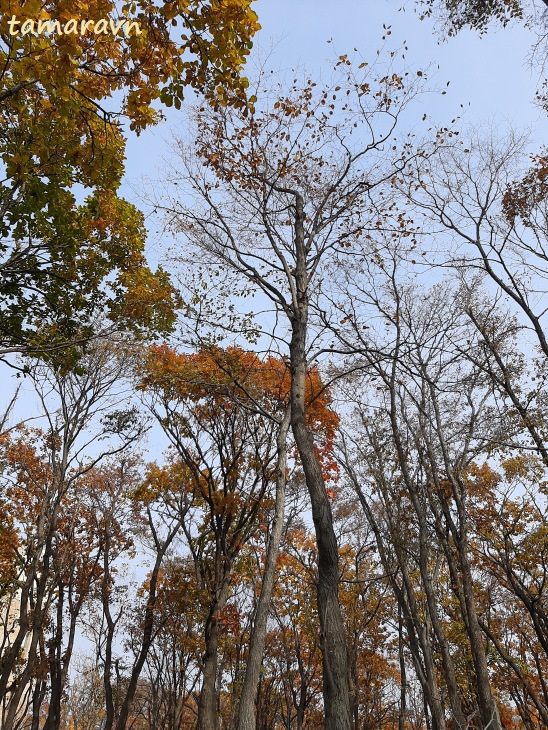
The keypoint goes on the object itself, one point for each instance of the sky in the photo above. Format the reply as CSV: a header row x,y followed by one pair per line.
x,y
490,75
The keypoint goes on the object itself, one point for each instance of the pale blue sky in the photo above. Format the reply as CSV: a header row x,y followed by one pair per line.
x,y
488,75
490,72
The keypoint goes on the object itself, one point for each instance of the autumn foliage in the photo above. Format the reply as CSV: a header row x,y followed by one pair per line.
x,y
344,530
65,265
233,378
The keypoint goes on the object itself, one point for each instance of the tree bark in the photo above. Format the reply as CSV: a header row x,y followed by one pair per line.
x,y
336,677
420,644
403,674
246,717
488,707
207,703
53,719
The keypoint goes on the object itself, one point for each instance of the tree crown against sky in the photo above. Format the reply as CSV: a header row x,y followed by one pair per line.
x,y
63,101
333,143
277,195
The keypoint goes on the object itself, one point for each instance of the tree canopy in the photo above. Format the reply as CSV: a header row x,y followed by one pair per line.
x,y
64,101
297,477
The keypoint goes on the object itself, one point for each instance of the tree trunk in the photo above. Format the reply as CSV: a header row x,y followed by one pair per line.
x,y
420,644
38,696
336,691
403,674
207,703
488,707
443,644
246,718
148,623
53,719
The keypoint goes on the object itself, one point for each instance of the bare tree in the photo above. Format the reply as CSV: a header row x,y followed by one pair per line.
x,y
433,419
273,195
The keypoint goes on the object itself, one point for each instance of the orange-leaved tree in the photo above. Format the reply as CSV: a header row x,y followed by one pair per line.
x,y
222,411
56,544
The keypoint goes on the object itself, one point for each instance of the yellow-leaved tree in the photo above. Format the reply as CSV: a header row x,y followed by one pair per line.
x,y
66,87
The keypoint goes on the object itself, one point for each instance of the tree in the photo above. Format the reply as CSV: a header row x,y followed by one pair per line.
x,y
497,218
246,711
321,420
455,16
509,514
476,14
79,271
159,530
173,662
84,706
80,544
294,643
220,411
57,548
369,611
281,191
58,260
432,420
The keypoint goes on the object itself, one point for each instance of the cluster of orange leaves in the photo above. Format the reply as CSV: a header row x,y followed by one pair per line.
x,y
233,377
522,197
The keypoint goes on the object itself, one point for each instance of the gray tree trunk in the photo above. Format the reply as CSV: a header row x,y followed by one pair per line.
x,y
246,717
207,703
336,691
